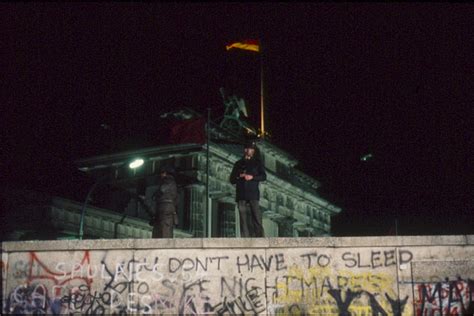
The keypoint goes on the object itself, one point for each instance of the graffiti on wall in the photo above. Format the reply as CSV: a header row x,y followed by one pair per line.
x,y
233,282
448,297
443,287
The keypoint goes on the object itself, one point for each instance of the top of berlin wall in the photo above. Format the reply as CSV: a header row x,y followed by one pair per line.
x,y
229,243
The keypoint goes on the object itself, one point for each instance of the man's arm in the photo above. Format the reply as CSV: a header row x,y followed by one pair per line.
x,y
261,174
234,175
146,207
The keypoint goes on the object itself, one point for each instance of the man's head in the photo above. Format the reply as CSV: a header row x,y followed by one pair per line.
x,y
249,149
166,170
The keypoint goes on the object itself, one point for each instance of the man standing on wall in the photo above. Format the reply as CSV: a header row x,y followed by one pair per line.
x,y
166,203
246,175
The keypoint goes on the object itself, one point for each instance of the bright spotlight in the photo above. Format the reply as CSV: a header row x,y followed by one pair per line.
x,y
136,163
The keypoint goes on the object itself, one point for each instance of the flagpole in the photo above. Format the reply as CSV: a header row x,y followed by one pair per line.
x,y
262,107
255,46
208,221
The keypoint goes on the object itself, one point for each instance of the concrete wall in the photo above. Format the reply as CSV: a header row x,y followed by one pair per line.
x,y
424,275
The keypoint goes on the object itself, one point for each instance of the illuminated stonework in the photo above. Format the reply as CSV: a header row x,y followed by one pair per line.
x,y
289,201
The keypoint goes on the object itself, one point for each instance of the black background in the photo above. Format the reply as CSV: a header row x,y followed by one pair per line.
x,y
342,81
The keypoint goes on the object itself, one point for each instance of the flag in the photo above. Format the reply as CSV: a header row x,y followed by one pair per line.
x,y
246,45
189,131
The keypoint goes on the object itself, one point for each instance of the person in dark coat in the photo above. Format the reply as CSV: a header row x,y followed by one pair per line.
x,y
166,202
246,175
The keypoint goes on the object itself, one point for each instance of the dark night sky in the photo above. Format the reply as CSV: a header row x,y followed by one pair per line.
x,y
342,80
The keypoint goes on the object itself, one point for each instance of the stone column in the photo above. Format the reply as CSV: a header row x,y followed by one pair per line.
x,y
197,209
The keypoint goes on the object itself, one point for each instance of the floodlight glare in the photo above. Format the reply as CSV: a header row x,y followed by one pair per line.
x,y
136,163
366,157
